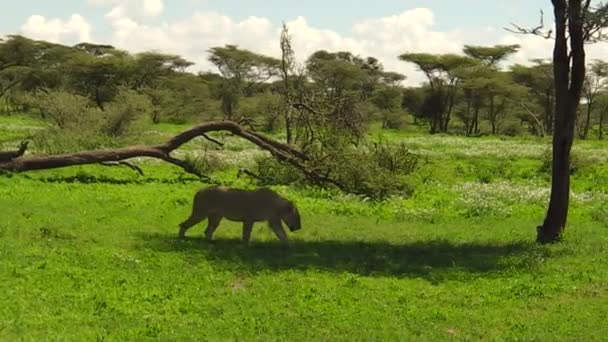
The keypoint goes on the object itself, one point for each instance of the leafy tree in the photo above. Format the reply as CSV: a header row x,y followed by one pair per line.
x,y
539,80
336,74
148,67
595,81
242,70
97,76
16,57
440,70
388,100
490,55
602,109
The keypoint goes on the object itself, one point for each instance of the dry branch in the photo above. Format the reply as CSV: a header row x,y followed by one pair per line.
x,y
15,162
127,164
10,155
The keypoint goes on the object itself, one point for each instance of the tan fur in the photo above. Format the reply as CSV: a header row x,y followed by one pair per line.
x,y
247,206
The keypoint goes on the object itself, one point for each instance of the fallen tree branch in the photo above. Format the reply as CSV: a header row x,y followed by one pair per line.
x,y
282,152
248,173
127,164
213,140
10,155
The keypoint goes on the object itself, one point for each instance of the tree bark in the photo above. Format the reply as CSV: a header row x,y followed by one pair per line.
x,y
569,72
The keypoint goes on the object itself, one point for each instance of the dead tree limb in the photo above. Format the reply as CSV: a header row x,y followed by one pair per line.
x,y
127,164
10,155
283,152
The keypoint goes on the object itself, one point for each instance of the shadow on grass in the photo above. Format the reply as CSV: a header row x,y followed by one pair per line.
x,y
434,260
83,178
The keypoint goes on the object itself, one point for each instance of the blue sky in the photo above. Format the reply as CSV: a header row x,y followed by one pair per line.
x,y
380,28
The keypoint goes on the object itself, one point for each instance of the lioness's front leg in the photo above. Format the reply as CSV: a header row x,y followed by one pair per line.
x,y
247,228
212,222
277,228
191,221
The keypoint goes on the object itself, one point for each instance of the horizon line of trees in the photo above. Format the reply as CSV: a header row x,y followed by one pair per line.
x,y
466,94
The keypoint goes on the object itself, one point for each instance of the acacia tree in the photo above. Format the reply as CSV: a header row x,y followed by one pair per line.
x,y
441,71
602,109
242,71
576,22
538,78
595,81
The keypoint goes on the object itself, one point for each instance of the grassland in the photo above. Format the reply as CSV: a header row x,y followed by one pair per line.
x,y
90,253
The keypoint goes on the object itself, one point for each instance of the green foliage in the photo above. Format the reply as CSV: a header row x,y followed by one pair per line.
x,y
66,110
79,125
511,129
577,162
264,109
120,115
205,162
376,171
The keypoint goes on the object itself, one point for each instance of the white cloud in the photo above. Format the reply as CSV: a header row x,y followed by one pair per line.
x,y
131,8
532,47
74,30
384,38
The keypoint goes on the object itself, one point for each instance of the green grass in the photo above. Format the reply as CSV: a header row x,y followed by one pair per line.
x,y
90,253
91,260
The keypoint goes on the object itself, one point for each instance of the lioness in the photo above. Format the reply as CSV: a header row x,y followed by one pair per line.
x,y
247,206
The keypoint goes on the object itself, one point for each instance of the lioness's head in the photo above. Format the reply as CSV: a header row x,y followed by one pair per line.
x,y
291,217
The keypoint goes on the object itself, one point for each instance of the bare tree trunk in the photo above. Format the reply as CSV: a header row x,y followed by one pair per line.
x,y
600,134
587,119
568,86
476,121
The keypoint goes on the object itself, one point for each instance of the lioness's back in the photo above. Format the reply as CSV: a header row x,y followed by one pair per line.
x,y
238,204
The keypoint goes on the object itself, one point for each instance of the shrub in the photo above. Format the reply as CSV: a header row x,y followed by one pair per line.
x,y
121,114
577,162
376,171
66,110
393,120
57,141
511,129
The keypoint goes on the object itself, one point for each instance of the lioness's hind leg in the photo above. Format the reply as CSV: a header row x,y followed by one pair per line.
x,y
278,230
247,228
212,224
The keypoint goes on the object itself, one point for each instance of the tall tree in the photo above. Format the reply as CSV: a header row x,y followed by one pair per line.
x,y
595,81
440,70
602,109
243,71
490,55
576,22
539,80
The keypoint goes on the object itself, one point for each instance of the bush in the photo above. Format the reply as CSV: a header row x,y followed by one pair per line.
x,y
79,125
120,115
57,141
393,120
376,171
66,110
512,129
577,162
